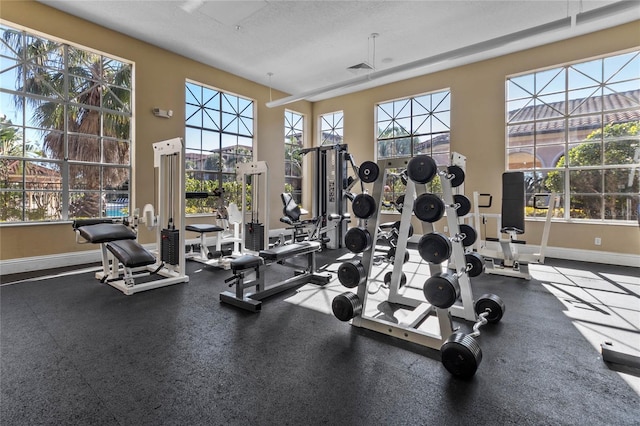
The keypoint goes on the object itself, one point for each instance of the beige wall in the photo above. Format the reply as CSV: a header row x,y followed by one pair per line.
x,y
478,127
477,120
159,82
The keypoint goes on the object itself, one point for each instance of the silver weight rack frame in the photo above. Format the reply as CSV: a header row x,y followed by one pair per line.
x,y
408,329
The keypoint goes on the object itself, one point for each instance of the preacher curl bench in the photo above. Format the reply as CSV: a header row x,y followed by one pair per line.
x,y
120,241
248,264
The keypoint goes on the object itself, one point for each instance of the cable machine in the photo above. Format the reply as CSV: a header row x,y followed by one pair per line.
x,y
254,233
168,158
329,167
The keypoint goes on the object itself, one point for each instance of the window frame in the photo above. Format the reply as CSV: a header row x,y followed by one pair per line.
x,y
576,123
110,168
212,204
442,158
294,125
335,127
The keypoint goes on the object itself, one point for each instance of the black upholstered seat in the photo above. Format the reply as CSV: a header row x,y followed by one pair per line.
x,y
130,253
106,232
203,228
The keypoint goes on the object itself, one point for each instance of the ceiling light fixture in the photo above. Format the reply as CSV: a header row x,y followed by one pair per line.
x,y
366,66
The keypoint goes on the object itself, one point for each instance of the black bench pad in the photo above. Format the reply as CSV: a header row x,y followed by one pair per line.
x,y
202,228
290,250
245,261
106,232
131,253
84,222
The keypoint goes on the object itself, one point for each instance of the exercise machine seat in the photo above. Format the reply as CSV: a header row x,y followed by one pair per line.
x,y
202,228
131,253
246,261
84,222
106,232
513,201
290,250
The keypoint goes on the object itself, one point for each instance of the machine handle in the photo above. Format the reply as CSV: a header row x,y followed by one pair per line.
x,y
484,206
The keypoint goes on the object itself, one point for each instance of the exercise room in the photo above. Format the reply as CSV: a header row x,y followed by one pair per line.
x,y
320,212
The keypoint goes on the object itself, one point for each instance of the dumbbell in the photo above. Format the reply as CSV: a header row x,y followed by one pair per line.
x,y
430,208
436,247
346,306
443,289
358,239
460,353
423,168
364,206
352,273
368,171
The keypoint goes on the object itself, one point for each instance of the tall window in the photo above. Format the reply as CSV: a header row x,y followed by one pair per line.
x,y
65,122
574,130
293,143
332,128
414,126
218,135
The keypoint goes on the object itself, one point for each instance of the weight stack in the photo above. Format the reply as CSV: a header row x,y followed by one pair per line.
x,y
169,246
254,236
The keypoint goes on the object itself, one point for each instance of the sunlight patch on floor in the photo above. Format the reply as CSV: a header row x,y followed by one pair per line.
x,y
603,307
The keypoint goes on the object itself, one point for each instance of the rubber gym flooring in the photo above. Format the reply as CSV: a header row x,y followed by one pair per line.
x,y
74,351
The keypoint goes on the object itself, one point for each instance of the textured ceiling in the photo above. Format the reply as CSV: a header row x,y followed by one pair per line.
x,y
308,45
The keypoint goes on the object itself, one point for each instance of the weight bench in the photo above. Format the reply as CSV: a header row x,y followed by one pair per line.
x,y
249,264
120,241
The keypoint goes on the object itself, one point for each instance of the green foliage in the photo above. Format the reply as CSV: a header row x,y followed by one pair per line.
x,y
606,146
91,81
232,193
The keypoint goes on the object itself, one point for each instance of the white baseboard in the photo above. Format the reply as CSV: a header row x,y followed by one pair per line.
x,y
605,257
36,263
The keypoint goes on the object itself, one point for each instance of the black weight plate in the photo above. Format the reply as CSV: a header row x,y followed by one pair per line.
x,y
470,234
357,240
396,226
434,247
387,278
422,169
406,257
346,306
442,290
351,273
364,206
428,207
458,175
475,264
493,304
399,203
461,355
368,172
464,205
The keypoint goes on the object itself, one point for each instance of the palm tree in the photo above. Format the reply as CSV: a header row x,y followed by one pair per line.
x,y
98,107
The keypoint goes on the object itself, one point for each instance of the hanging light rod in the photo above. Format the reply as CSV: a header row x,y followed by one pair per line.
x,y
560,24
